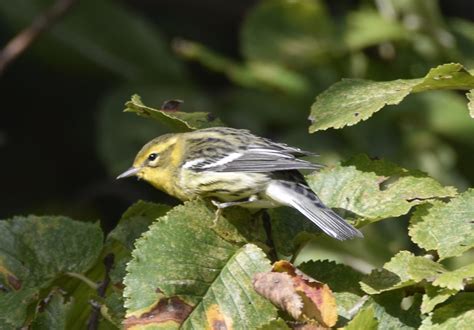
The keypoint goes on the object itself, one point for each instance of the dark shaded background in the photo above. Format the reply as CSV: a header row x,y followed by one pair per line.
x,y
54,119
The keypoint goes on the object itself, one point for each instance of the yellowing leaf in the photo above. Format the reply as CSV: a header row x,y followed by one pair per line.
x,y
455,279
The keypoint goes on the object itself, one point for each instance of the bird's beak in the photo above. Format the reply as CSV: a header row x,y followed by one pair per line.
x,y
130,172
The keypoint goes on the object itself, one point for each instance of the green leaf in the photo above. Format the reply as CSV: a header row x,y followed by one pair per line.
x,y
375,189
456,278
53,313
202,269
263,75
365,319
95,44
340,278
290,230
28,264
438,226
470,104
457,313
14,307
367,27
434,296
353,100
402,270
391,315
295,33
176,120
343,281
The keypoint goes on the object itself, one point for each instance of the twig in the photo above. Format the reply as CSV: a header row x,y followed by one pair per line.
x,y
267,225
25,38
93,322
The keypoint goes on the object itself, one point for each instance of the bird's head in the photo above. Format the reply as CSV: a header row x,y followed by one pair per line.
x,y
153,159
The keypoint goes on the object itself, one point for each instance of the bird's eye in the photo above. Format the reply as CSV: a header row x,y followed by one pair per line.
x,y
152,156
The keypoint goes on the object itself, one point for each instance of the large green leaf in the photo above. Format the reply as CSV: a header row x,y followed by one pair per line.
x,y
392,315
455,279
143,56
352,100
202,269
296,33
445,227
457,313
375,189
34,251
402,270
120,242
176,120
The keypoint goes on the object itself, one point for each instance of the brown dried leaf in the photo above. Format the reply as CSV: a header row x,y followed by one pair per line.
x,y
279,289
167,310
297,293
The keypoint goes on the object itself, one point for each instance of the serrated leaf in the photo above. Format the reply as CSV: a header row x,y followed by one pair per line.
x,y
353,100
438,227
177,120
457,313
470,104
340,278
390,314
455,279
201,270
365,319
434,296
402,270
375,189
28,264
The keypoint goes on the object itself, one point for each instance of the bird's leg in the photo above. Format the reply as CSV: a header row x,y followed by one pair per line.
x,y
220,206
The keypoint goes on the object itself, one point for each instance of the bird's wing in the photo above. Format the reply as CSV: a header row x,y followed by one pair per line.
x,y
257,158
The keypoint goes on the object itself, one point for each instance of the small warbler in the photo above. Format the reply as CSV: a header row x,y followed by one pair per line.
x,y
234,167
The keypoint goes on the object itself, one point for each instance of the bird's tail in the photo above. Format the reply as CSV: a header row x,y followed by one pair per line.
x,y
302,198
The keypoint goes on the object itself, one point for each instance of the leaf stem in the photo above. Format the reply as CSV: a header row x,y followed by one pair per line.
x,y
84,279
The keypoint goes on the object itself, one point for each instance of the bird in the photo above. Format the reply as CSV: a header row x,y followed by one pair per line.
x,y
234,167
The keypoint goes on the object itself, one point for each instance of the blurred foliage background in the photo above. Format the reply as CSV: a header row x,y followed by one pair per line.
x,y
256,64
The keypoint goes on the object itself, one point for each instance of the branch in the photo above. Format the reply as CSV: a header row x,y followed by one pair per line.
x,y
267,225
25,38
93,322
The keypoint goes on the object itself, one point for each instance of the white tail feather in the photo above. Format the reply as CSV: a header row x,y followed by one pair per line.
x,y
325,218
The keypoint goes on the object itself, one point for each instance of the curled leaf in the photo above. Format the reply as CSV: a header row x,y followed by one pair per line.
x,y
295,292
